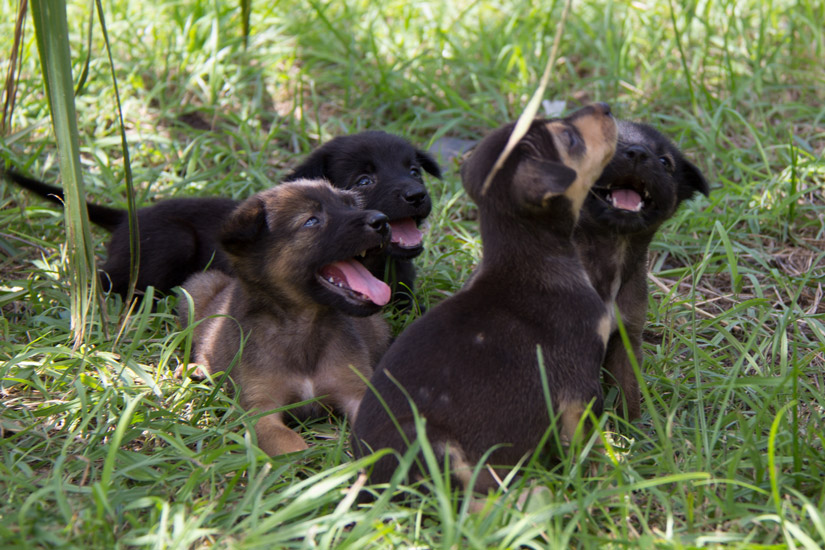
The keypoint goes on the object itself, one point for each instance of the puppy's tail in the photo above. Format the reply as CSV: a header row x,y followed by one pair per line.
x,y
104,216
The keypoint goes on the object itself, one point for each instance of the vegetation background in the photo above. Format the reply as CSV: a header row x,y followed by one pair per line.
x,y
102,447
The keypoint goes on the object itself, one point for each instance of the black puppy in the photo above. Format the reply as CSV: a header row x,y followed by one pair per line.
x,y
179,237
387,171
470,364
641,187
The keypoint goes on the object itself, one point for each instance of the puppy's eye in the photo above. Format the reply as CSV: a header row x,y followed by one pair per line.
x,y
363,180
312,221
666,162
415,172
570,138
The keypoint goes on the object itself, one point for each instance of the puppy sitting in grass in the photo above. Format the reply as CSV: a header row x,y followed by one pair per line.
x,y
299,308
641,187
470,365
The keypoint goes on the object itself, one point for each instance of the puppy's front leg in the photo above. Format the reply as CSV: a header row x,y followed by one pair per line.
x,y
274,438
617,364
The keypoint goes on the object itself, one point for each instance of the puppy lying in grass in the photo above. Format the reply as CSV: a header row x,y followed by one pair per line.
x,y
470,365
299,306
641,187
179,237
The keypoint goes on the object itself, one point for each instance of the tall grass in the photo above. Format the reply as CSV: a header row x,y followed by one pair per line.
x,y
103,447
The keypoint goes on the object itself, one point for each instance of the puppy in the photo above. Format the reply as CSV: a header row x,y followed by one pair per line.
x,y
179,237
641,187
299,307
470,364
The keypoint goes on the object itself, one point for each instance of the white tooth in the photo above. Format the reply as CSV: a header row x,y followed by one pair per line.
x,y
363,254
331,280
639,206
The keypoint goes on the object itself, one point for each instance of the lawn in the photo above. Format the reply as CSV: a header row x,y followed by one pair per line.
x,y
101,446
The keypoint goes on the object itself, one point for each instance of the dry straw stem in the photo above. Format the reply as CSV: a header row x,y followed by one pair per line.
x,y
526,117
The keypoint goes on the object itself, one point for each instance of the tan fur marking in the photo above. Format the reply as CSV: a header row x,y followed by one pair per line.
x,y
599,135
571,413
605,327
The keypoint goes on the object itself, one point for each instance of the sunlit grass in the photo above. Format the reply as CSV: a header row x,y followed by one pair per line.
x,y
103,447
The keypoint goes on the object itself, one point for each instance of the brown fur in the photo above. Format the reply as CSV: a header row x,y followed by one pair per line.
x,y
613,241
301,336
470,364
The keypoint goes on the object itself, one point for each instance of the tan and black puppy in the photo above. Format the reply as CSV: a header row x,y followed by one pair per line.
x,y
303,306
179,237
470,364
641,187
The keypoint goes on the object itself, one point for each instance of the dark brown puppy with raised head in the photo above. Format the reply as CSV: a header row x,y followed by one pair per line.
x,y
299,307
470,364
179,237
641,187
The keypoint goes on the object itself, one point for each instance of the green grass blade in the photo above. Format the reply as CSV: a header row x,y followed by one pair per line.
x,y
51,29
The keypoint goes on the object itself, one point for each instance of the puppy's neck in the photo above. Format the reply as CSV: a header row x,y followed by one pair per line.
x,y
509,238
258,299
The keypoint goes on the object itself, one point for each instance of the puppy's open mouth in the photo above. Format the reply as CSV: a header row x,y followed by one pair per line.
x,y
405,234
632,198
625,199
355,282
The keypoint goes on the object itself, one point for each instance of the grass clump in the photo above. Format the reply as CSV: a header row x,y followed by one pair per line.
x,y
103,447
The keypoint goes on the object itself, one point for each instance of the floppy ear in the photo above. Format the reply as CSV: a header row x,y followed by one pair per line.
x,y
314,167
691,181
245,226
428,163
539,181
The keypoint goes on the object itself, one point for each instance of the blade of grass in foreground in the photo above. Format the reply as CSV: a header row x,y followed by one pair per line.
x,y
51,30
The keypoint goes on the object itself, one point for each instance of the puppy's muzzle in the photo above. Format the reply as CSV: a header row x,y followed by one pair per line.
x,y
379,223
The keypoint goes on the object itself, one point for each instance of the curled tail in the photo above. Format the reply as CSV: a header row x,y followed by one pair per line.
x,y
105,217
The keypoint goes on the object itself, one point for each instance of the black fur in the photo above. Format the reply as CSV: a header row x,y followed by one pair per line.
x,y
613,242
470,363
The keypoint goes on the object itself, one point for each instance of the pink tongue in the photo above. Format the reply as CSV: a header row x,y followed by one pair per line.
x,y
360,280
626,199
405,233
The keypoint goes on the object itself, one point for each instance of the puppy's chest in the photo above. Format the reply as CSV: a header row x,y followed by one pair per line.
x,y
307,352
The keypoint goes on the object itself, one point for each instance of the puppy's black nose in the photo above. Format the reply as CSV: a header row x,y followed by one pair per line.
x,y
603,107
378,222
636,153
414,196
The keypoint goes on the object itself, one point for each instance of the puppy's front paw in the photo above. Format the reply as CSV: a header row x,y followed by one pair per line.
x,y
274,438
195,371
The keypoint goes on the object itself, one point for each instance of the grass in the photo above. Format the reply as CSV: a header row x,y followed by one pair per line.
x,y
103,447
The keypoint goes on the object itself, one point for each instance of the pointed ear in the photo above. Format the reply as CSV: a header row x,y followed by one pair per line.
x,y
244,227
540,181
691,181
428,163
314,167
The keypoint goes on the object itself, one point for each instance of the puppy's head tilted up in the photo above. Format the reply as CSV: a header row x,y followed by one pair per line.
x,y
296,244
644,183
550,171
386,171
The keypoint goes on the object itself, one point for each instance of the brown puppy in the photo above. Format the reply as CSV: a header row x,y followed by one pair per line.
x,y
641,187
300,308
470,364
179,237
